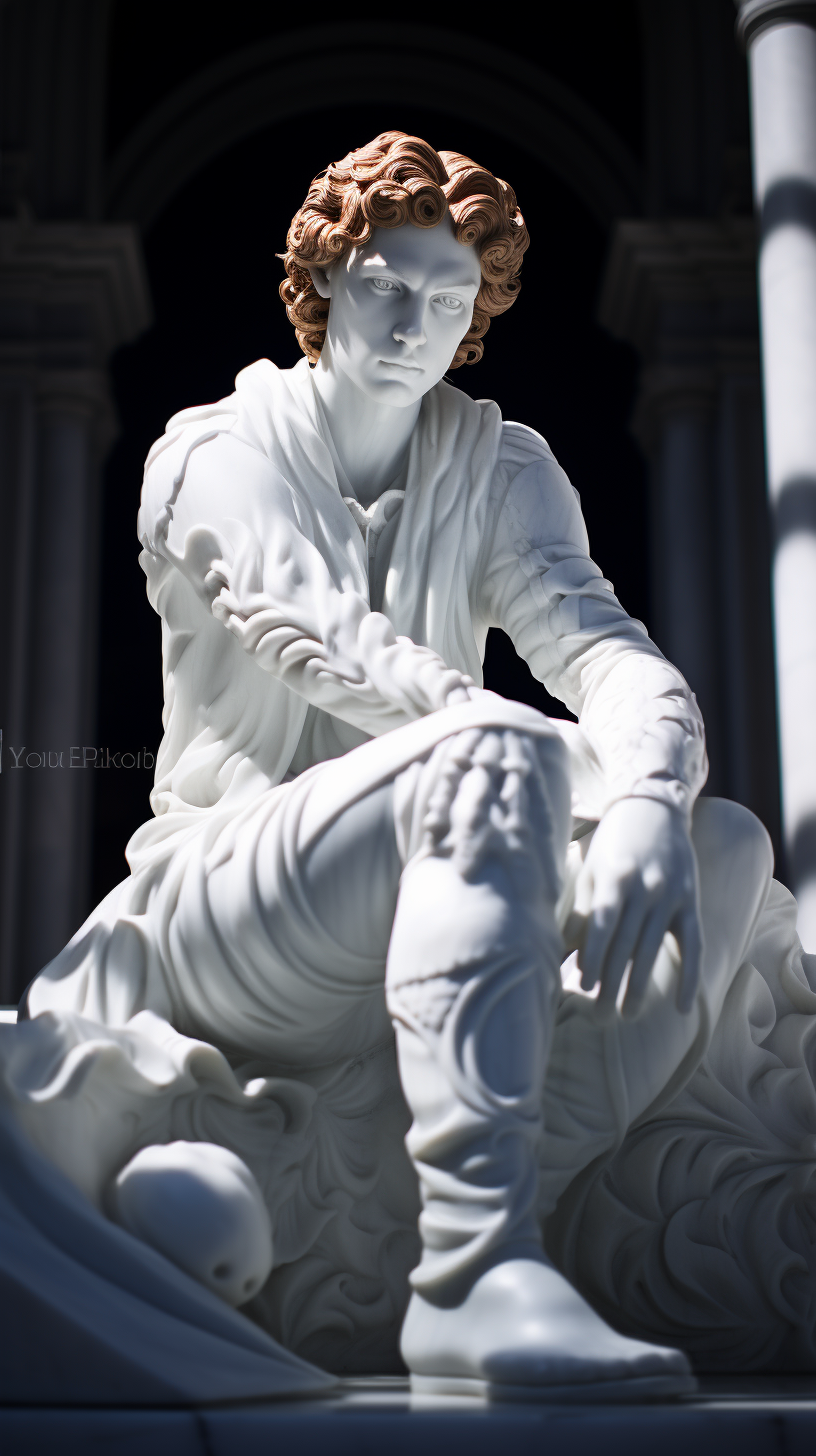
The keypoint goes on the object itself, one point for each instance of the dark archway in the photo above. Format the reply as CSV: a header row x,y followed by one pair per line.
x,y
287,78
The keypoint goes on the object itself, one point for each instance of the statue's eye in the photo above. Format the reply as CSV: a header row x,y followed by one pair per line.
x,y
384,285
447,300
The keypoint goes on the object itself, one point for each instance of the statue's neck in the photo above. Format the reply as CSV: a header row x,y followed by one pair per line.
x,y
370,439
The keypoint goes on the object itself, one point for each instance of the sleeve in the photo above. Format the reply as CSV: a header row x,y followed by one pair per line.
x,y
245,543
543,589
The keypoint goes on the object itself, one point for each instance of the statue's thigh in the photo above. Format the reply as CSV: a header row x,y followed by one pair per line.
x,y
285,922
280,927
735,862
325,908
351,876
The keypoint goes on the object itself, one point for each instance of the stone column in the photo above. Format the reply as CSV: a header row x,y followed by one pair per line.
x,y
781,42
683,293
70,293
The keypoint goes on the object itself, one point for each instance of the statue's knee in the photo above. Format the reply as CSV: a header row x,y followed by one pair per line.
x,y
727,835
494,802
499,792
512,722
480,887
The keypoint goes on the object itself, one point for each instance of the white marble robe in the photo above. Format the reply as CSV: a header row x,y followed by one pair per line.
x,y
244,528
276,661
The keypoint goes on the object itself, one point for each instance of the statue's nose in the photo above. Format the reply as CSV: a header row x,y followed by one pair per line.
x,y
410,330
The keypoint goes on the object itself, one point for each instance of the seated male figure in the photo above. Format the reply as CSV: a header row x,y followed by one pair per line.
x,y
351,833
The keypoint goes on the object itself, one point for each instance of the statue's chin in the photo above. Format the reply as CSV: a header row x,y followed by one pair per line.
x,y
395,384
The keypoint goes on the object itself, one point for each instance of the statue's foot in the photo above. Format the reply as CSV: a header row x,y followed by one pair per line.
x,y
523,1333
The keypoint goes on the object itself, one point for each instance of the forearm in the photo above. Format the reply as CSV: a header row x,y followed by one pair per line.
x,y
646,724
355,667
636,709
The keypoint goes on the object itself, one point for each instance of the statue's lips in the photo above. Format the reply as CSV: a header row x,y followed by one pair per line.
x,y
407,368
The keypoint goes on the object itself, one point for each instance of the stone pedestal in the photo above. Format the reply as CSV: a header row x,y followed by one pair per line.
x,y
70,293
684,293
759,1416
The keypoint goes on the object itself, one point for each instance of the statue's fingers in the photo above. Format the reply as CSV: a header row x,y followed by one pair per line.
x,y
602,923
574,932
651,939
462,792
584,892
620,950
462,746
690,940
455,762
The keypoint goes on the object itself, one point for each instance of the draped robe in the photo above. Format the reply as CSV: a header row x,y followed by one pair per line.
x,y
298,628
274,659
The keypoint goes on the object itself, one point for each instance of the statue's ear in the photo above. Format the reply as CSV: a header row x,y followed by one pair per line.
x,y
320,279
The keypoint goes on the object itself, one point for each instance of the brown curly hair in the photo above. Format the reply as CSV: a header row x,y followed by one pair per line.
x,y
394,180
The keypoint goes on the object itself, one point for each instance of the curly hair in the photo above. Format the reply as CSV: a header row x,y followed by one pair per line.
x,y
398,179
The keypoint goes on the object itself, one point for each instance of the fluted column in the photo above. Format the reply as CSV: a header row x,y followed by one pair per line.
x,y
683,292
781,42
70,293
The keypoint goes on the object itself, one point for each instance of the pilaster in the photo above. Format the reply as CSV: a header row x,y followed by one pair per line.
x,y
683,292
70,293
780,37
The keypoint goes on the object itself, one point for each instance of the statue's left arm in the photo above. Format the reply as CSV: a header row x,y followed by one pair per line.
x,y
541,586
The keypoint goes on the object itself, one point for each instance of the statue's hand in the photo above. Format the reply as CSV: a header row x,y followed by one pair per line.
x,y
639,880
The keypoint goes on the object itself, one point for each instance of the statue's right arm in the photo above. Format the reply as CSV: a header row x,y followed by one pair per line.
x,y
245,543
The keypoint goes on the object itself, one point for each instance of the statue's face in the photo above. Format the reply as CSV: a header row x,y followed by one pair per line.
x,y
400,307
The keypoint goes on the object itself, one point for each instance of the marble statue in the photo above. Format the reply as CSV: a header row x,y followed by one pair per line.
x,y
483,1029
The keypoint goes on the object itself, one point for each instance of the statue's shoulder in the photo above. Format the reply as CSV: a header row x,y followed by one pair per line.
x,y
259,411
270,402
516,446
534,491
522,446
456,409
167,462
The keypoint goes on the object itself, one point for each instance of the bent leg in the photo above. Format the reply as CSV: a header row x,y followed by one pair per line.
x,y
472,982
278,926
